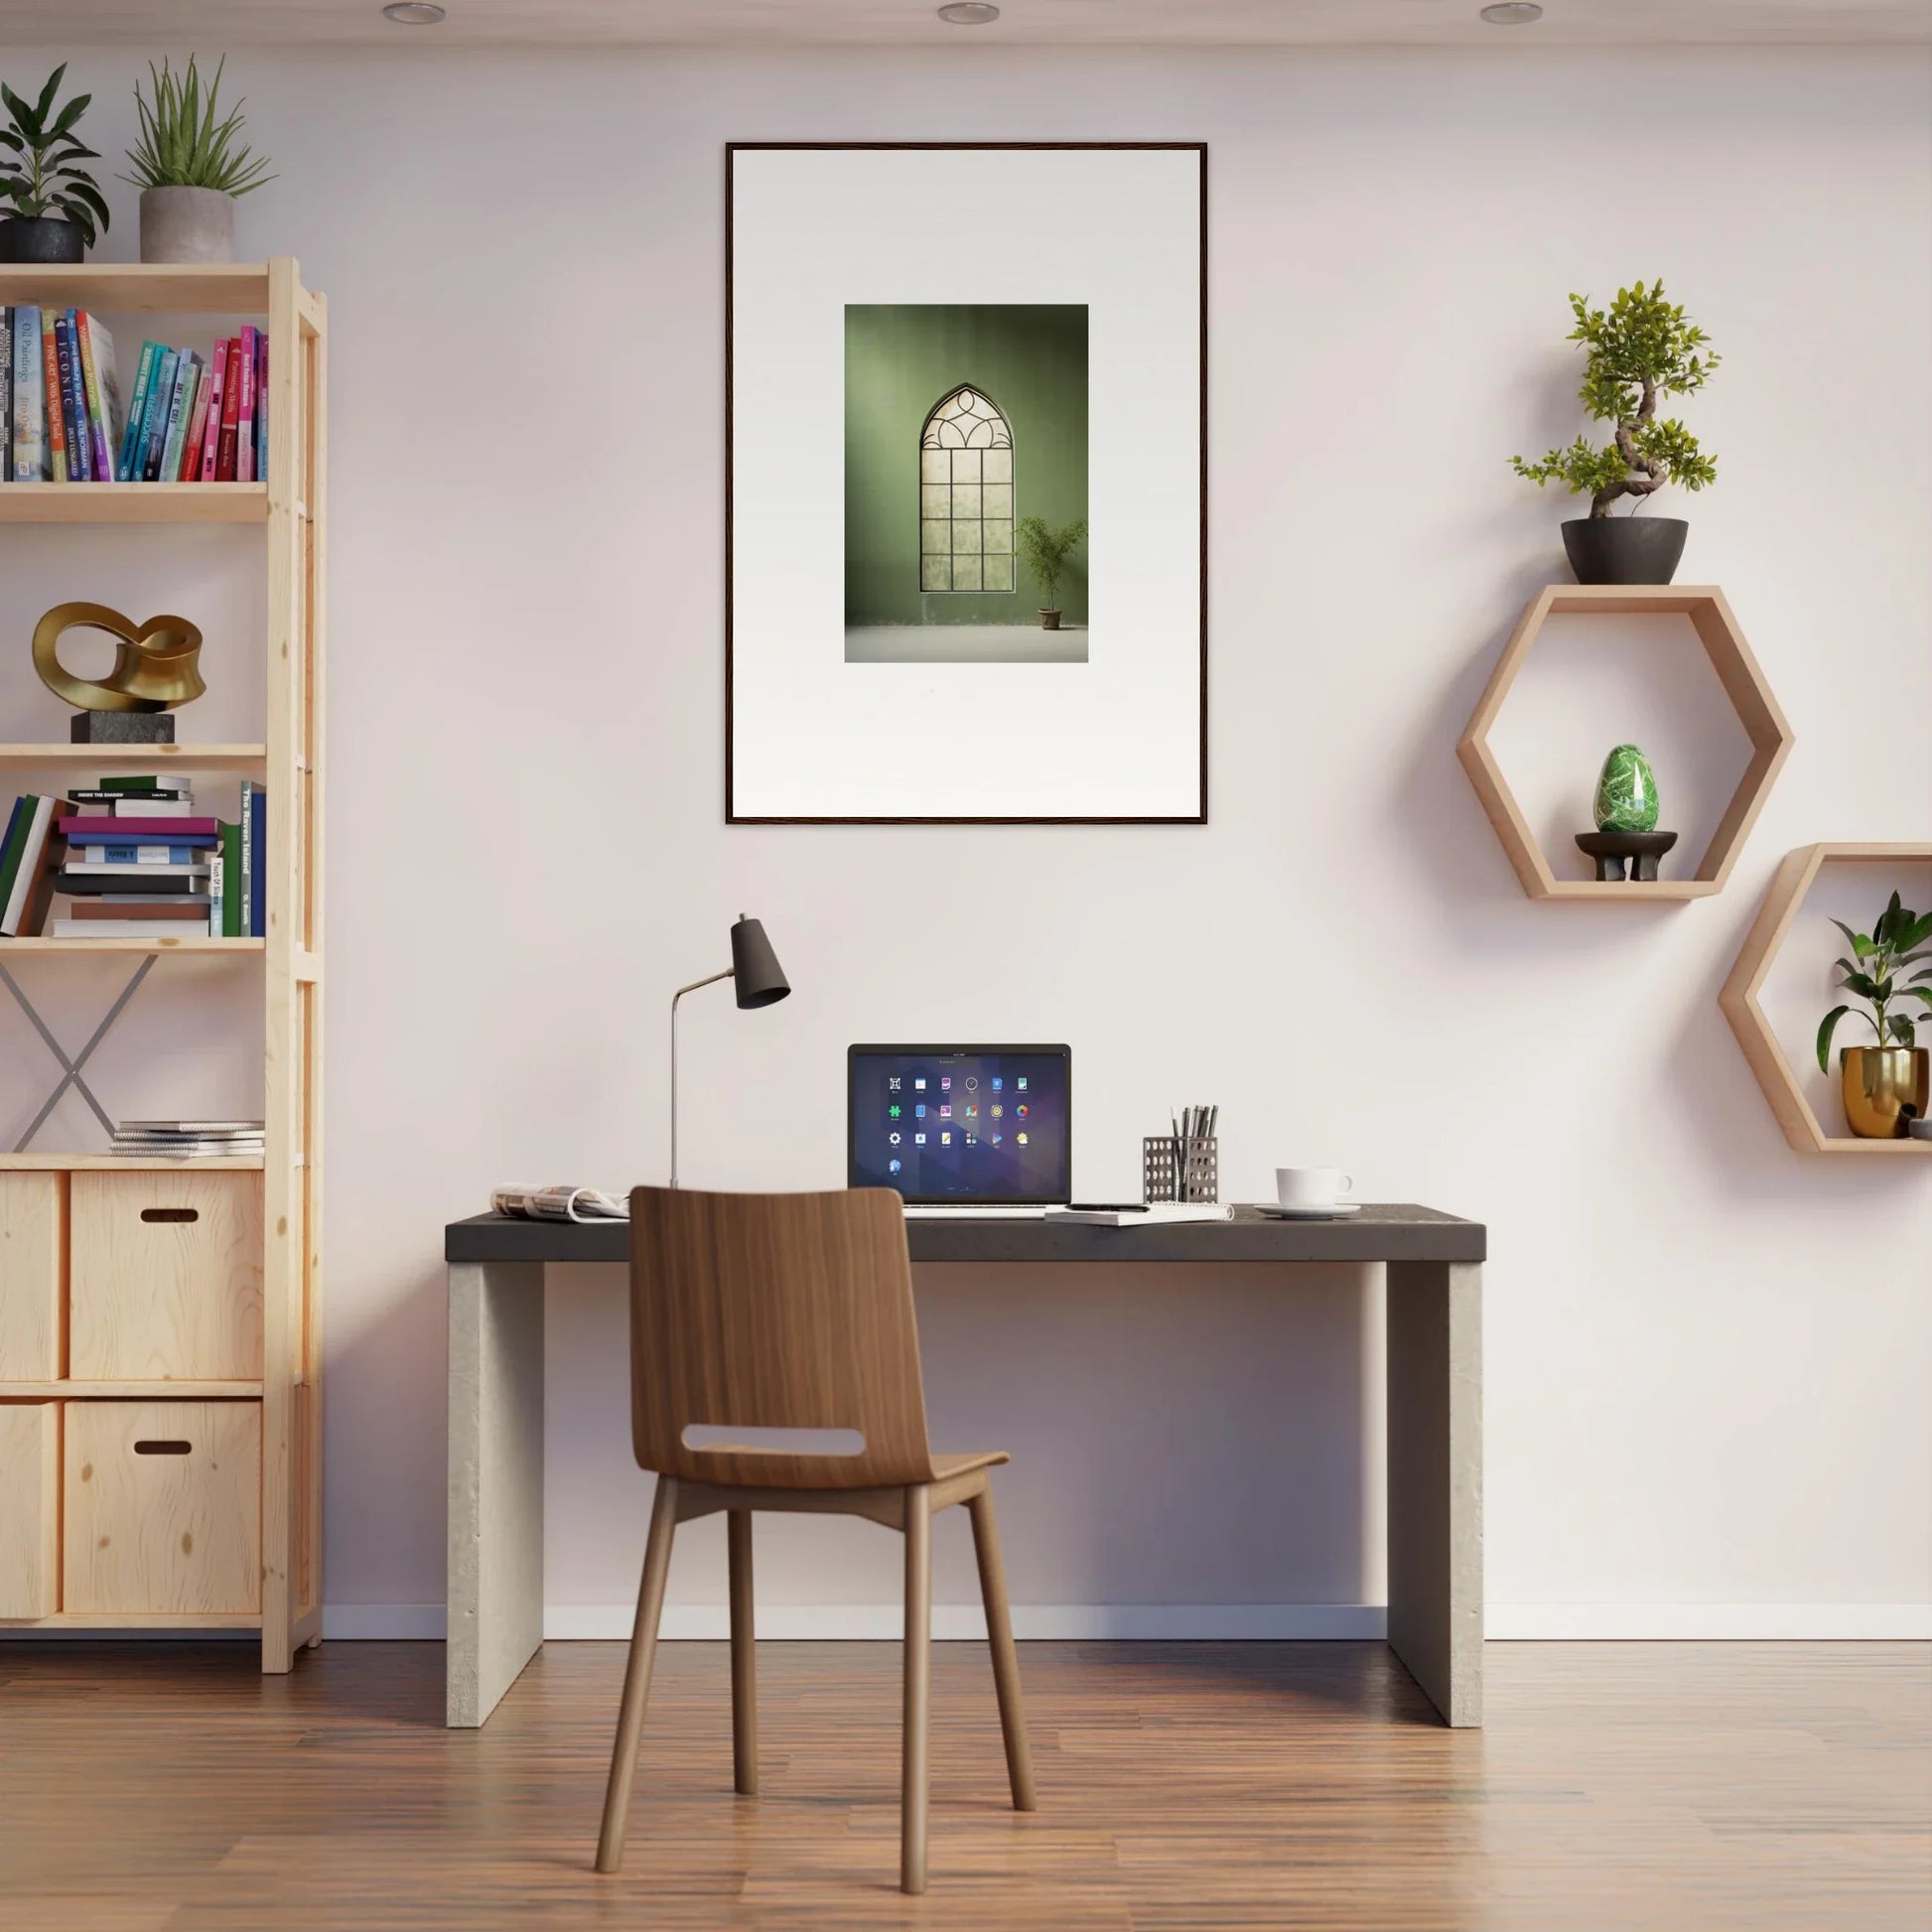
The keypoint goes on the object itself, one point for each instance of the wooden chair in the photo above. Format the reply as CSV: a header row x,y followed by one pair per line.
x,y
794,1312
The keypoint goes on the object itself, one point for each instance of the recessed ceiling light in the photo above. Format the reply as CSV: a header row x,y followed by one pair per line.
x,y
1512,13
969,13
413,13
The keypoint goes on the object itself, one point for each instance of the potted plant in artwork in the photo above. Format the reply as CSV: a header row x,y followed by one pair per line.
x,y
1886,1085
51,209
1639,350
188,169
1044,552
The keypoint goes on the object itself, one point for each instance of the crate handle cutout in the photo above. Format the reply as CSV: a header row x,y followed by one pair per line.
x,y
171,1213
745,1439
163,1447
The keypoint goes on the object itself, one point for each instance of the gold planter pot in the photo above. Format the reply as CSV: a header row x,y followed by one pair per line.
x,y
1884,1087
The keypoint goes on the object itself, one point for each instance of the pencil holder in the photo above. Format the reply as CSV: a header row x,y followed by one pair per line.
x,y
1179,1170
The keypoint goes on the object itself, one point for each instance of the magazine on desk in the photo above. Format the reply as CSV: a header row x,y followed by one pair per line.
x,y
558,1203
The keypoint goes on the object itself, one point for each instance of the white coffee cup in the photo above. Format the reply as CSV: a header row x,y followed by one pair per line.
x,y
1311,1187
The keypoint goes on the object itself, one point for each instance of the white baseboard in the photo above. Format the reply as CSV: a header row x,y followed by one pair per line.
x,y
1195,1622
1707,1622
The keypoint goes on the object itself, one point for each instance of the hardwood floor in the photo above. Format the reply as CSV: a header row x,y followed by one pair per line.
x,y
1682,1786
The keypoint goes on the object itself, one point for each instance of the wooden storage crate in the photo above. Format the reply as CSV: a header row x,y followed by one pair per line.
x,y
33,1246
30,1508
163,1507
165,1277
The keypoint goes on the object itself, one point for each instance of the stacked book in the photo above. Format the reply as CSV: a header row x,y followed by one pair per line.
x,y
189,418
186,1140
136,861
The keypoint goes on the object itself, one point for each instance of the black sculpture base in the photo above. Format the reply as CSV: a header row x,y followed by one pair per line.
x,y
122,727
1610,850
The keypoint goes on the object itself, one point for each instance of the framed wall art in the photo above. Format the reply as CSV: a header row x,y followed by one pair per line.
x,y
966,482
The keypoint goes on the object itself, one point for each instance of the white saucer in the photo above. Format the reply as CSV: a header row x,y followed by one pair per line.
x,y
1273,1211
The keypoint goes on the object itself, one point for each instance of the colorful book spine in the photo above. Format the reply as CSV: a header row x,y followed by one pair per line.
x,y
261,407
10,846
218,371
257,867
177,851
228,895
154,431
190,466
73,408
103,827
178,413
104,400
33,881
230,416
30,414
244,461
57,427
137,409
6,394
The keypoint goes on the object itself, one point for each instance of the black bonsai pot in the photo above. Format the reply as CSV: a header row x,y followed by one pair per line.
x,y
1624,550
40,238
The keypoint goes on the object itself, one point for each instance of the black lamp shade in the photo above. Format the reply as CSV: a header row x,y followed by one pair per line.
x,y
757,977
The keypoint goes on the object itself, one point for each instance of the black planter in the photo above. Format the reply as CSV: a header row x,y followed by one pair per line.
x,y
40,238
1624,550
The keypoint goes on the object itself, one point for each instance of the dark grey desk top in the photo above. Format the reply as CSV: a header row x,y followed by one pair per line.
x,y
1398,1231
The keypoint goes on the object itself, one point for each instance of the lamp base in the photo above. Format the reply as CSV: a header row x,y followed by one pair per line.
x,y
121,728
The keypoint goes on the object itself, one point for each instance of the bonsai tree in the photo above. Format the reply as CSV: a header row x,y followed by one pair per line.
x,y
1642,349
182,145
1896,941
37,149
1046,552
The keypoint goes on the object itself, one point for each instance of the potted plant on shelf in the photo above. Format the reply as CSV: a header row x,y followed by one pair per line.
x,y
1884,1086
1046,552
1640,350
56,207
188,168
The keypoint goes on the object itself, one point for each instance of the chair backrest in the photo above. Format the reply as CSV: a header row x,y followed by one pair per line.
x,y
774,1311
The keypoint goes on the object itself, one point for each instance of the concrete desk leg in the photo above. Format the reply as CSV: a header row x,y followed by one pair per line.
x,y
1435,1327
496,1581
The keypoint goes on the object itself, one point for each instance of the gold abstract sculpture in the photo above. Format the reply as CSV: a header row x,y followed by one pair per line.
x,y
154,662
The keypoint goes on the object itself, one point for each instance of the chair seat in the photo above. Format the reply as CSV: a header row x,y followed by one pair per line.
x,y
945,1467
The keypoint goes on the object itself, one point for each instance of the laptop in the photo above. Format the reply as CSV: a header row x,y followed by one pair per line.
x,y
962,1130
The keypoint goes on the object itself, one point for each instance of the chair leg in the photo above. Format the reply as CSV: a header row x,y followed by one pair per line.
x,y
1006,1660
745,1669
636,1676
918,1688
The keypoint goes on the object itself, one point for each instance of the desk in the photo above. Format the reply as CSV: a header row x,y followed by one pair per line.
x,y
1435,1402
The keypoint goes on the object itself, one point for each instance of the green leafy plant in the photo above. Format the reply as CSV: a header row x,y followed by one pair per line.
x,y
1896,941
1638,350
37,176
1046,552
182,145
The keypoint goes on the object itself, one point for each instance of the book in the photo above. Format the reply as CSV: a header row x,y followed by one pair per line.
x,y
33,881
17,822
75,419
232,898
161,400
110,831
261,407
217,371
1155,1214
187,852
200,1129
136,782
102,384
6,394
230,416
127,469
56,428
250,847
117,929
100,796
162,882
244,467
189,467
30,409
186,378
148,906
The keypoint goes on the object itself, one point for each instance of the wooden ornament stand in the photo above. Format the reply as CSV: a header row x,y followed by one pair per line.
x,y
259,1281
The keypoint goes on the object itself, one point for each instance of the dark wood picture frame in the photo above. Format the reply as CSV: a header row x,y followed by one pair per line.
x,y
731,150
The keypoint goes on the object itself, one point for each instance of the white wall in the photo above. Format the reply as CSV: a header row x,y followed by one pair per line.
x,y
1706,1358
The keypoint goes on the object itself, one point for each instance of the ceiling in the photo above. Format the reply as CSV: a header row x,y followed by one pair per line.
x,y
913,23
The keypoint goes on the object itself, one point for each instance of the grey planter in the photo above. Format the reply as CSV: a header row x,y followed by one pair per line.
x,y
186,224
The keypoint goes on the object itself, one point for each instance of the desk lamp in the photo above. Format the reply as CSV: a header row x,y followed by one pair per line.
x,y
758,981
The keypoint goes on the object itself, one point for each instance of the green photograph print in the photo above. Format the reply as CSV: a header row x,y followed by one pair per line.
x,y
965,483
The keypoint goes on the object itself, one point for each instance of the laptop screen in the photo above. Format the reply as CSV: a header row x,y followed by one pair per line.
x,y
962,1124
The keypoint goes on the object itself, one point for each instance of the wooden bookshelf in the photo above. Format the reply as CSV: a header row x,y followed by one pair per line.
x,y
134,503
286,513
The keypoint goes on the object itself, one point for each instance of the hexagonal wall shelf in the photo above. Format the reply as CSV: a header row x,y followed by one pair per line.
x,y
1738,998
1743,683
